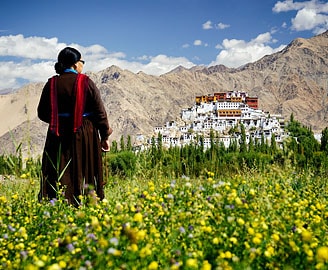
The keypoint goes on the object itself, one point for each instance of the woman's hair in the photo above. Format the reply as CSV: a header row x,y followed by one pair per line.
x,y
67,58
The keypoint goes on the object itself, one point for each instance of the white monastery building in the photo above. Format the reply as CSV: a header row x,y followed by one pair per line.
x,y
222,113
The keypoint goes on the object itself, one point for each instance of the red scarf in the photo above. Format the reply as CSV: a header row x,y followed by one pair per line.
x,y
80,87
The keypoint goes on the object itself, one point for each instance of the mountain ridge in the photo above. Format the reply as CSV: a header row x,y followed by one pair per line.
x,y
293,80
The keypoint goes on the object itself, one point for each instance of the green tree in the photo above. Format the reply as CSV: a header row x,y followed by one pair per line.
x,y
123,163
122,144
242,141
306,145
129,144
153,151
159,154
324,140
113,148
251,144
273,144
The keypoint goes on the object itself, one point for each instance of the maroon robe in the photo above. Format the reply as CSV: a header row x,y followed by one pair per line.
x,y
72,154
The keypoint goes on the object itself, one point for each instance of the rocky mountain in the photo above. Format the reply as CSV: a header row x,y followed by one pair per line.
x,y
294,80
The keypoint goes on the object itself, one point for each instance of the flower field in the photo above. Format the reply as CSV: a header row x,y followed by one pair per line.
x,y
272,220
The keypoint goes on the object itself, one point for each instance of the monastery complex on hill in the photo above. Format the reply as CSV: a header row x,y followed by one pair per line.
x,y
223,113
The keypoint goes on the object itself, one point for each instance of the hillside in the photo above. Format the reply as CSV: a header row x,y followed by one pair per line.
x,y
293,80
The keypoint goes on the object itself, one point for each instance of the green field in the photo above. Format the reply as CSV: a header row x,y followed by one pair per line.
x,y
255,206
272,220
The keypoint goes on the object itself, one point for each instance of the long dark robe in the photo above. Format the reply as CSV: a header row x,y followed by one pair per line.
x,y
72,161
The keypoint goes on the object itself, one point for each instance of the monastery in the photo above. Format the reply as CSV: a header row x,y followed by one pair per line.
x,y
223,113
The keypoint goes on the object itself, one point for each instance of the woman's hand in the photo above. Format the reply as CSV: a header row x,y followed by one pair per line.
x,y
105,145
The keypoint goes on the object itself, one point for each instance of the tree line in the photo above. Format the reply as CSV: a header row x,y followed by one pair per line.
x,y
301,151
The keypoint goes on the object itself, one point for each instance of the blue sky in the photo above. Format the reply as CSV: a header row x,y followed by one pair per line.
x,y
153,36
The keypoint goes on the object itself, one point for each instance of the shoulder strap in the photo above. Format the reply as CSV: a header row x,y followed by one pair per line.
x,y
53,106
81,85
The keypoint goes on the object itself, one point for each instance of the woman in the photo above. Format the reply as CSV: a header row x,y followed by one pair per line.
x,y
78,131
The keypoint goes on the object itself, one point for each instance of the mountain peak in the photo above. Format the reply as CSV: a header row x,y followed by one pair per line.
x,y
293,80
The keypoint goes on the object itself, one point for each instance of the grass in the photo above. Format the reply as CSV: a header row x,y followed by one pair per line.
x,y
273,220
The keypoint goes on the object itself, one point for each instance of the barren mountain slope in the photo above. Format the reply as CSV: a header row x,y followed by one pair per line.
x,y
293,80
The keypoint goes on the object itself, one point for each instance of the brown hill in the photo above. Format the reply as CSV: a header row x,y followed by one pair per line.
x,y
293,80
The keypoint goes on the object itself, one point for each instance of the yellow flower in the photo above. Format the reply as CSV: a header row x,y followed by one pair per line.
x,y
309,253
207,229
322,254
252,192
141,234
228,255
176,266
293,245
210,180
62,264
234,240
137,217
269,252
238,201
114,252
103,243
306,236
256,240
20,246
275,237
206,266
319,265
250,230
94,222
247,245
264,226
22,232
39,263
145,251
192,263
133,247
215,241
153,265
240,221
70,219
54,266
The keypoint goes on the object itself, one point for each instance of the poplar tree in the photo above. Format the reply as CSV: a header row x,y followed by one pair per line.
x,y
324,140
122,144
242,141
129,144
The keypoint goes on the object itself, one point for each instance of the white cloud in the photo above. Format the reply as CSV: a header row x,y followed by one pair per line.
x,y
12,73
218,46
143,58
308,19
161,64
311,15
207,25
222,26
30,47
288,5
236,52
34,59
197,42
